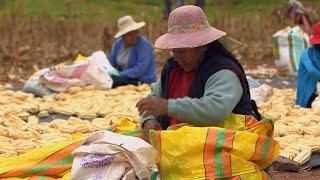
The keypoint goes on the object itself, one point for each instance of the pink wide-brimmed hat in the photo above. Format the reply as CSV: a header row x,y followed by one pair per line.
x,y
188,27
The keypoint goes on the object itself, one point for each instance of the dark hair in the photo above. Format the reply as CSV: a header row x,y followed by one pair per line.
x,y
217,48
317,46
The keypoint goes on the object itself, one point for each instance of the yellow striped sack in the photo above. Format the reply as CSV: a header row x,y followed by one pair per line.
x,y
216,153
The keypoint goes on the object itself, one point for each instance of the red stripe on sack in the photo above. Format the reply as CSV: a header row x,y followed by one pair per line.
x,y
271,148
228,144
265,176
270,128
50,159
251,122
208,157
61,154
236,178
259,147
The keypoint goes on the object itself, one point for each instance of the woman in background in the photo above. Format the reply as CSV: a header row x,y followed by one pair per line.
x,y
309,71
132,54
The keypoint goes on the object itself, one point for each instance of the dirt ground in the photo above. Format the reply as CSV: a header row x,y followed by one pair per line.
x,y
313,174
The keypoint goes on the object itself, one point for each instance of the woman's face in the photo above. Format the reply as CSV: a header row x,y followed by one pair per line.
x,y
189,58
131,38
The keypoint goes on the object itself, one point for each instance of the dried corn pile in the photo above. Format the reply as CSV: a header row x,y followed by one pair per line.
x,y
90,104
93,110
296,129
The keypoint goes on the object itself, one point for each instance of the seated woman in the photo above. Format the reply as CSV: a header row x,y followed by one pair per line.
x,y
203,84
132,55
309,71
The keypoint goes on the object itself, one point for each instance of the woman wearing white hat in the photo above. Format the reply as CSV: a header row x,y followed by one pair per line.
x,y
132,54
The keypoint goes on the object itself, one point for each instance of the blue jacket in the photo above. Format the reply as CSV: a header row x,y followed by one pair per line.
x,y
141,62
308,75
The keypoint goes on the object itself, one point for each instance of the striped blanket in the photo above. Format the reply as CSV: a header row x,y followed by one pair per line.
x,y
49,162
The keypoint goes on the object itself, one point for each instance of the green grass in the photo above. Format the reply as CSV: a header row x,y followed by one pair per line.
x,y
110,10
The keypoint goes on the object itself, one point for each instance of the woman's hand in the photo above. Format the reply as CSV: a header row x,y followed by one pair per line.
x,y
147,126
152,105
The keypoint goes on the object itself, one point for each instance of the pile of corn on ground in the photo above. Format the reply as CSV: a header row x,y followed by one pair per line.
x,y
296,129
91,110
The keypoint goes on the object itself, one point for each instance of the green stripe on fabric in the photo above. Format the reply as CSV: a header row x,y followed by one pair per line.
x,y
298,48
276,51
109,129
217,154
67,160
265,148
133,133
291,56
267,120
42,178
154,175
152,135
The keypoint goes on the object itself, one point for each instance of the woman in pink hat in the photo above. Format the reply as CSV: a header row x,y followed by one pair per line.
x,y
309,71
203,84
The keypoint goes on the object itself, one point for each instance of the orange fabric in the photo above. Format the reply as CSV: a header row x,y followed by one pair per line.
x,y
52,159
226,153
208,154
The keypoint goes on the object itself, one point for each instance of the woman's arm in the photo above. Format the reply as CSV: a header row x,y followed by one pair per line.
x,y
156,90
151,122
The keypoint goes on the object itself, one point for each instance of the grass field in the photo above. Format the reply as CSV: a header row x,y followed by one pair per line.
x,y
110,10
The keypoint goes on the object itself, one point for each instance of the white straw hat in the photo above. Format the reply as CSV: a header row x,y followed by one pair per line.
x,y
127,24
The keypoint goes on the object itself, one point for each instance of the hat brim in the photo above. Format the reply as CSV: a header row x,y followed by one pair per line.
x,y
134,27
314,40
189,40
